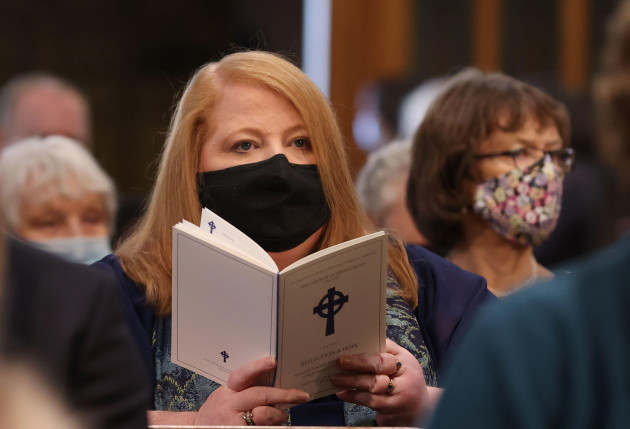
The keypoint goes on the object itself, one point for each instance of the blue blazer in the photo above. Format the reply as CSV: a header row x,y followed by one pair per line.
x,y
448,298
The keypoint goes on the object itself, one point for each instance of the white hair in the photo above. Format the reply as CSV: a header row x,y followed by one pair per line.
x,y
381,176
59,161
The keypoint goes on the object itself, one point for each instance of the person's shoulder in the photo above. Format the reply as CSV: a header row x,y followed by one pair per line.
x,y
608,267
23,255
589,289
36,270
111,264
132,295
554,321
448,300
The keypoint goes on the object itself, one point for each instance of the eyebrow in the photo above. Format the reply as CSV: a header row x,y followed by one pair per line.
x,y
553,142
295,129
257,131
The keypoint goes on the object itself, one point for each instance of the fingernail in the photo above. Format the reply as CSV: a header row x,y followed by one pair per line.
x,y
341,361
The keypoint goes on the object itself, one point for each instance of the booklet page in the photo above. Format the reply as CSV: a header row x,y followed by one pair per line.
x,y
224,308
331,306
224,231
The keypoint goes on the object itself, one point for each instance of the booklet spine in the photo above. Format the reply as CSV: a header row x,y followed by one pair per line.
x,y
275,371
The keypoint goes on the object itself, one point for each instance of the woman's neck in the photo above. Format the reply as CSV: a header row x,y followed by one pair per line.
x,y
505,265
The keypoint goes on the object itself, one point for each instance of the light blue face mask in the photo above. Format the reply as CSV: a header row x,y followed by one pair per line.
x,y
85,250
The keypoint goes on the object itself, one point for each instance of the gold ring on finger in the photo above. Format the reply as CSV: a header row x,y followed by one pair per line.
x,y
249,418
390,385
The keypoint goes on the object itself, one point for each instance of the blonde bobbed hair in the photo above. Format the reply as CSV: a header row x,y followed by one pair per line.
x,y
146,254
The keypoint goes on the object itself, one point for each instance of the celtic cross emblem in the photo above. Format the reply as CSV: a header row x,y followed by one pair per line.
x,y
329,305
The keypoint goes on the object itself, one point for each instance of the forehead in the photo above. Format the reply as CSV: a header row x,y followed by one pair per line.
x,y
519,119
46,97
40,188
50,110
248,97
52,201
532,130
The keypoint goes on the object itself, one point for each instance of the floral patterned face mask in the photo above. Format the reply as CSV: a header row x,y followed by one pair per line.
x,y
522,205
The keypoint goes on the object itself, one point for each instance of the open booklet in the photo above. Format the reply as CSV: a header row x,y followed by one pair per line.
x,y
231,306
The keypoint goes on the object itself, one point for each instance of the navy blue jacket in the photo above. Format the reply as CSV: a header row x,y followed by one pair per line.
x,y
448,298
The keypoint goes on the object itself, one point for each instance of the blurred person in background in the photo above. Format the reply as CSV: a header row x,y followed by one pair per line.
x,y
23,385
612,101
21,388
377,112
486,177
66,354
414,106
381,188
56,196
40,104
556,355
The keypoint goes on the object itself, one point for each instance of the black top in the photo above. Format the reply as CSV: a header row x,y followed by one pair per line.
x,y
65,318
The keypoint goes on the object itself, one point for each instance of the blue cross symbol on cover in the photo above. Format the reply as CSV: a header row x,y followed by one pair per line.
x,y
329,305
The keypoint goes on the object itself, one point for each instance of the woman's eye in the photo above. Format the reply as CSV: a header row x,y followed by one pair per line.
x,y
46,223
301,143
243,146
95,218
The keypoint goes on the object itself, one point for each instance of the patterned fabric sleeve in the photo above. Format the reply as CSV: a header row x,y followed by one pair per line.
x,y
176,388
404,330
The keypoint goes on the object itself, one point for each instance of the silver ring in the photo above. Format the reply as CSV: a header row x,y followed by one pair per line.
x,y
249,418
390,385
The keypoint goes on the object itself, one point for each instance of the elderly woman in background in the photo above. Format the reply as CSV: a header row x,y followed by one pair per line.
x,y
381,188
486,177
57,197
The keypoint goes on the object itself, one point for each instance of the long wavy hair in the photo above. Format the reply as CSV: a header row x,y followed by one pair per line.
x,y
146,254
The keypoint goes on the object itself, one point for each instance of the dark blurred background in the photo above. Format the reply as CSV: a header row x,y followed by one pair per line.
x,y
132,58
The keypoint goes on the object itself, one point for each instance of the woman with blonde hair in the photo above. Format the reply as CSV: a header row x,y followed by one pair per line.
x,y
257,123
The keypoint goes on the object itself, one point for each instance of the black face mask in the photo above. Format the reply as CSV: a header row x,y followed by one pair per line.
x,y
277,204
